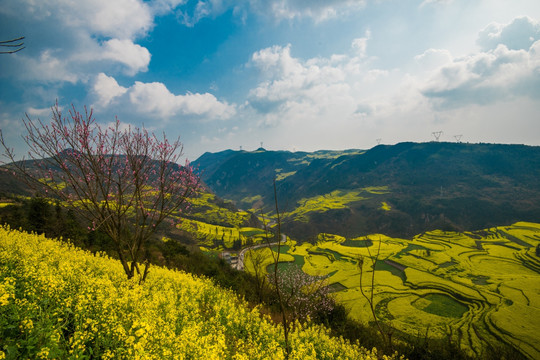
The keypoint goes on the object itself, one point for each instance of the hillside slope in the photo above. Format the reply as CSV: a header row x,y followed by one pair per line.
x,y
60,302
400,189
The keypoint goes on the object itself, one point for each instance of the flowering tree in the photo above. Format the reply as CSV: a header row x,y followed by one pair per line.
x,y
299,294
125,181
302,294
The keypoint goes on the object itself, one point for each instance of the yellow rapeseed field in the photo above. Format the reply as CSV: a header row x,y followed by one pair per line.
x,y
57,301
479,288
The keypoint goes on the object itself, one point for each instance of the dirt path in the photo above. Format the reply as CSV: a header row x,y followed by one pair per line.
x,y
240,263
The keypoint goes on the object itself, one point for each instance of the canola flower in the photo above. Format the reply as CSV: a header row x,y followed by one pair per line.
x,y
60,302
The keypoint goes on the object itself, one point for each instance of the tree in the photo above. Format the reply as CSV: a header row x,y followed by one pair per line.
x,y
125,181
299,295
303,295
256,258
387,337
38,214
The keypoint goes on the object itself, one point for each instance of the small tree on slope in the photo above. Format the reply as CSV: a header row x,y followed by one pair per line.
x,y
125,181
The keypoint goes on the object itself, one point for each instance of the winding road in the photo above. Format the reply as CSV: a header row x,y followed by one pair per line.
x,y
240,263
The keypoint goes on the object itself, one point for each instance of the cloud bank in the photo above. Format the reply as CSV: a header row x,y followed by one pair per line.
x,y
507,67
156,101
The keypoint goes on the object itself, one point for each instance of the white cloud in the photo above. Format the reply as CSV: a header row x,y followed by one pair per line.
x,y
433,58
134,56
519,34
49,66
318,9
342,86
107,88
70,39
359,45
124,19
436,2
155,100
505,70
31,111
161,7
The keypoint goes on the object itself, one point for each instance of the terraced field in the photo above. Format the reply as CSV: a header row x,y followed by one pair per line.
x,y
337,199
481,288
219,238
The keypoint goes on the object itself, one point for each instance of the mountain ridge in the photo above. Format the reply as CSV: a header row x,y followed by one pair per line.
x,y
456,186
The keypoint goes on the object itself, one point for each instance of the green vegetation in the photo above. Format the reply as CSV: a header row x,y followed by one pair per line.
x,y
447,186
337,199
222,237
280,176
208,208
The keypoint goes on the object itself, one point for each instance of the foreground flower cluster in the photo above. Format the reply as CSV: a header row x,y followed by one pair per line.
x,y
57,301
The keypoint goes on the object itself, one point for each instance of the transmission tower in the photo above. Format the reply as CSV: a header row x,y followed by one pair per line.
x,y
437,135
458,137
240,147
378,141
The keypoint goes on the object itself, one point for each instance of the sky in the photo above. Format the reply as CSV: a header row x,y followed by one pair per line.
x,y
297,75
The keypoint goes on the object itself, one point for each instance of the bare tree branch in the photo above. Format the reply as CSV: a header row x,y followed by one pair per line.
x,y
12,44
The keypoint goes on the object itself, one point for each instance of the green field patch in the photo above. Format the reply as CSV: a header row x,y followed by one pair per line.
x,y
479,279
282,266
280,176
409,248
330,254
286,249
249,231
377,190
387,265
442,305
337,199
359,242
514,239
447,264
381,309
336,287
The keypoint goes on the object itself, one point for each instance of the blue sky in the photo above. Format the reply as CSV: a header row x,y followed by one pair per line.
x,y
293,74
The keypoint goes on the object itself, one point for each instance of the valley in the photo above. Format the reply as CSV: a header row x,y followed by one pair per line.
x,y
450,240
459,234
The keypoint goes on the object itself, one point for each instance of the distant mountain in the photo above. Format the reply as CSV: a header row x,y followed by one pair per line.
x,y
206,207
399,190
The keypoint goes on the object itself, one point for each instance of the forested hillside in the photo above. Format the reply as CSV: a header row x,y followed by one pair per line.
x,y
399,190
